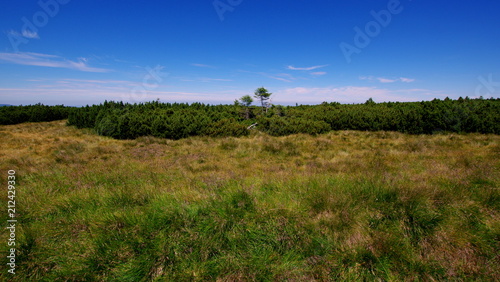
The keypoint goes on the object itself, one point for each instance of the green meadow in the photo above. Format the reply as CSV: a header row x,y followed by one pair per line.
x,y
342,205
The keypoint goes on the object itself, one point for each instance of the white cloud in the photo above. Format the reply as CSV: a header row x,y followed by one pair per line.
x,y
99,81
203,66
47,60
207,79
403,79
201,79
366,77
277,76
318,73
306,69
282,77
386,80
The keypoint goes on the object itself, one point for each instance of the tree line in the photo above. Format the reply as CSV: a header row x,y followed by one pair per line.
x,y
180,120
33,113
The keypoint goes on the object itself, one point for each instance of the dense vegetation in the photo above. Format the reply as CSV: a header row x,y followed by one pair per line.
x,y
33,113
340,206
180,120
175,121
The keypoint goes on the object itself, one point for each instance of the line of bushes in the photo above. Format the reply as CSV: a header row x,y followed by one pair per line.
x,y
181,120
33,113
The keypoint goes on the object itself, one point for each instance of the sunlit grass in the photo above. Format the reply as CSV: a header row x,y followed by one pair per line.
x,y
344,205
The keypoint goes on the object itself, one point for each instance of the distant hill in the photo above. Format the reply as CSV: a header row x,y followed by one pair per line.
x,y
4,105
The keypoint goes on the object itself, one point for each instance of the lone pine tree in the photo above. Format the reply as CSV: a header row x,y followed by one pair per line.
x,y
262,94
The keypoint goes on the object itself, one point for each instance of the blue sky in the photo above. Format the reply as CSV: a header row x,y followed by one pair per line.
x,y
77,52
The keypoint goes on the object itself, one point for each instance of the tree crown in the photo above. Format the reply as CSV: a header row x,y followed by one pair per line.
x,y
262,93
246,100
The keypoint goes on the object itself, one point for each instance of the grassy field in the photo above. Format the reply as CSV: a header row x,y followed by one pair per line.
x,y
345,205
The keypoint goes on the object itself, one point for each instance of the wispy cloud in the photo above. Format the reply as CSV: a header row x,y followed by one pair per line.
x,y
387,80
277,76
318,73
281,76
202,79
47,60
203,66
71,85
98,81
306,68
207,79
404,79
